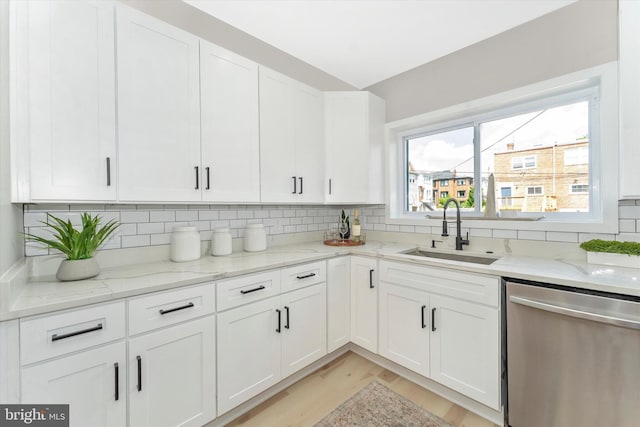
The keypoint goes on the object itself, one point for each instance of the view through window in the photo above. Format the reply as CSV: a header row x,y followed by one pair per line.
x,y
539,161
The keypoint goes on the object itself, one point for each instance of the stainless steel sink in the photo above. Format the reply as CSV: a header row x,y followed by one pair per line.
x,y
453,257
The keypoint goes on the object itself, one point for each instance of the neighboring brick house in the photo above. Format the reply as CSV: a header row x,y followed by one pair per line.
x,y
448,184
545,179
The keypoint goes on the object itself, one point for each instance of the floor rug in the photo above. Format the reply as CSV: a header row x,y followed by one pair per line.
x,y
377,405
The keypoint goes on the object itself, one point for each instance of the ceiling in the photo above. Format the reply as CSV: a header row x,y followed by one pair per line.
x,y
363,42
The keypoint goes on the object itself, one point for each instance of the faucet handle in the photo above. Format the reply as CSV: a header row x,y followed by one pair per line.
x,y
445,229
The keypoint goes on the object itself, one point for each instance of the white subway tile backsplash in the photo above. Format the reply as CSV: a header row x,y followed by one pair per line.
x,y
34,219
561,236
392,227
136,216
186,215
162,216
531,235
135,241
505,234
629,212
237,223
479,232
228,215
150,228
245,214
627,225
160,239
406,229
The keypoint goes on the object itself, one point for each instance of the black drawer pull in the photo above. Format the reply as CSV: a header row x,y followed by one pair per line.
x,y
248,291
433,319
329,186
171,310
117,380
371,278
108,171
208,169
300,192
295,190
279,328
306,276
422,312
197,168
286,326
56,337
139,385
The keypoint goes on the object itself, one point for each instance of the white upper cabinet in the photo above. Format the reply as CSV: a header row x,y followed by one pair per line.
x,y
158,110
629,98
291,143
63,101
354,137
229,125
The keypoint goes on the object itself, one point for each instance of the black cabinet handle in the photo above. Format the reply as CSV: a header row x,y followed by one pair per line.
x,y
433,319
248,291
197,168
279,328
286,326
56,337
306,276
171,310
108,171
207,169
117,380
295,181
139,386
329,186
371,278
300,185
422,312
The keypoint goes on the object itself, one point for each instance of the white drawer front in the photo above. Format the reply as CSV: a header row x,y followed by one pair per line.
x,y
303,275
53,335
235,292
468,286
167,308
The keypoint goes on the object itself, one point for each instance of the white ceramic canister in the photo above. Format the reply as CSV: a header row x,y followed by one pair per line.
x,y
255,238
221,242
185,244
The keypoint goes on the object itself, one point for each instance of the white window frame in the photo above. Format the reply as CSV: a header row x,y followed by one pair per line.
x,y
461,191
533,187
578,162
578,192
522,160
603,154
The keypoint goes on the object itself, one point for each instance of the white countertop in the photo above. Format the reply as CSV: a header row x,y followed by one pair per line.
x,y
44,294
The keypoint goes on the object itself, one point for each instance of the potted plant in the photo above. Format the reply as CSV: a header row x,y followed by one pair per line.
x,y
612,252
77,245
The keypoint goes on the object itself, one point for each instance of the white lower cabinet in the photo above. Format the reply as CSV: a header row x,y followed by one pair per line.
x,y
172,375
92,382
263,342
404,327
452,339
465,348
338,303
364,303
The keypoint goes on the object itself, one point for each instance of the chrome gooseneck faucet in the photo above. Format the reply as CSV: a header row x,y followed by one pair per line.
x,y
445,232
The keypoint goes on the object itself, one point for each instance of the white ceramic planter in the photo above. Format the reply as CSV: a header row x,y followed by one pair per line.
x,y
618,260
79,269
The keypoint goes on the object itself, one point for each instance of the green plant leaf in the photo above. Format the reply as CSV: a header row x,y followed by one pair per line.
x,y
611,246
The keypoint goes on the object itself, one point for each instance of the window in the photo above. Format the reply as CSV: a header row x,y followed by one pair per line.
x,y
525,148
579,188
531,191
528,162
444,194
538,123
576,156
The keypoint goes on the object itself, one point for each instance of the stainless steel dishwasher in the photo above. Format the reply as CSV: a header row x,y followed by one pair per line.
x,y
573,358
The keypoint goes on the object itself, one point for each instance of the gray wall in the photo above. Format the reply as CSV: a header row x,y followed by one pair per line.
x,y
216,31
11,245
578,36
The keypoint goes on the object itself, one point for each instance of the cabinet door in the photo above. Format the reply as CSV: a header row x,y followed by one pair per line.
x,y
405,326
278,180
465,349
338,303
364,303
304,327
172,376
158,110
229,122
248,352
309,143
92,382
66,84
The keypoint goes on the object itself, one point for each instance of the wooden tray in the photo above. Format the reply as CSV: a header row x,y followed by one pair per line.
x,y
347,242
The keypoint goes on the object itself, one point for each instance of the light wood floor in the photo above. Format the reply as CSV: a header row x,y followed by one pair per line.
x,y
312,398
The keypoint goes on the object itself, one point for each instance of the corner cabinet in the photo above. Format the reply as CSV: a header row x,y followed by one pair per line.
x,y
354,144
63,124
158,110
338,302
364,302
291,140
445,325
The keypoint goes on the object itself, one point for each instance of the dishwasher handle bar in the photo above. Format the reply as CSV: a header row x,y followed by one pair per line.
x,y
600,318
